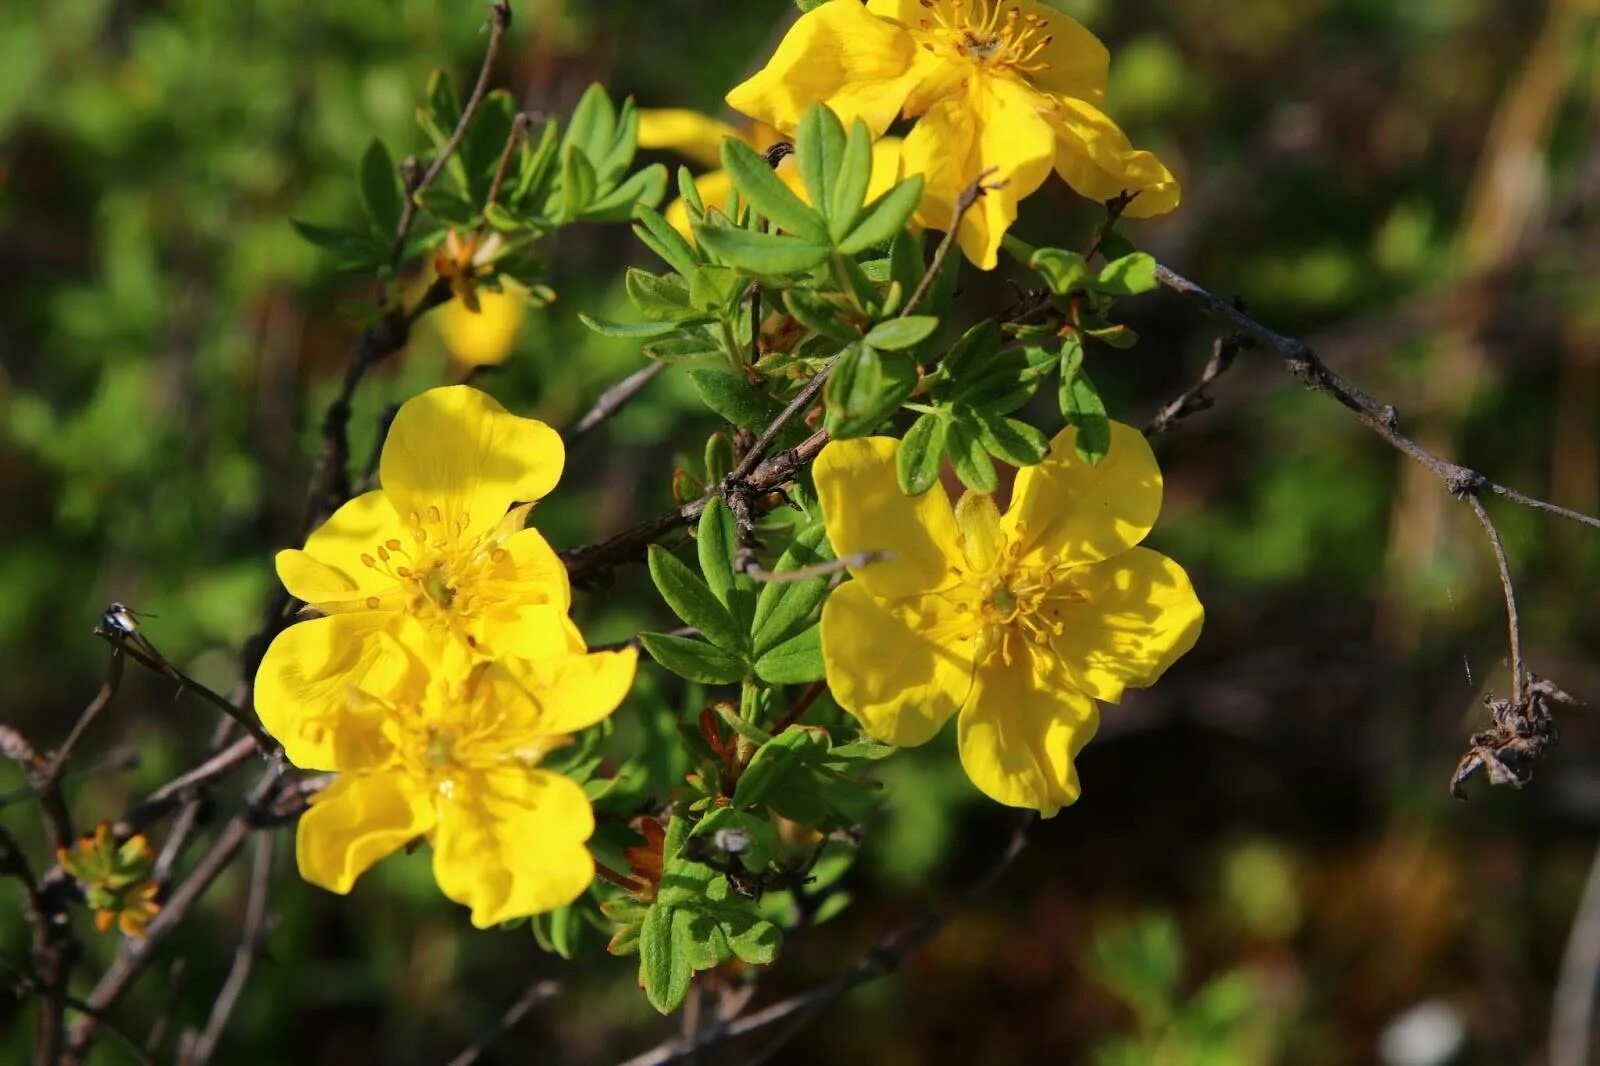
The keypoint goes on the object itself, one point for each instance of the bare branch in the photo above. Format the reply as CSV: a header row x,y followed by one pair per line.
x,y
102,700
535,995
1518,680
806,573
198,1051
613,400
499,20
141,651
1194,398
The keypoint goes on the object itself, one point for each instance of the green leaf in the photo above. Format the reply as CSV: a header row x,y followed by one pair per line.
x,y
443,110
761,253
645,188
1082,407
694,660
1128,276
693,601
538,164
767,193
866,387
817,312
716,290
664,968
592,127
347,244
970,459
785,753
716,540
796,661
704,940
754,940
850,186
885,217
613,162
485,142
577,183
900,333
905,261
970,356
783,605
922,449
1063,271
819,144
691,348
380,188
665,241
665,299
1011,440
690,194
735,399
631,330
447,206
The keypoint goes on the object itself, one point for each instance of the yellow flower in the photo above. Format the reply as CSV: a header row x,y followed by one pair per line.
x,y
483,337
699,138
450,751
441,542
1016,622
1008,84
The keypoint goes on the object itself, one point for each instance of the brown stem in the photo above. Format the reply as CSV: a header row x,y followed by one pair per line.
x,y
535,995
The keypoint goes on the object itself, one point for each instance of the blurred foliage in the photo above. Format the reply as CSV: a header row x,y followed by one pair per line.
x,y
1410,185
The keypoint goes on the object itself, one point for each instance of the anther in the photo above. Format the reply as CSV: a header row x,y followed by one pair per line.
x,y
368,560
499,555
393,544
383,553
433,515
372,603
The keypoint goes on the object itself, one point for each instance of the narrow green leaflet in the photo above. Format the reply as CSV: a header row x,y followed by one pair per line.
x,y
1082,407
767,193
850,186
1012,440
1128,276
784,754
380,189
716,540
761,253
694,660
1063,271
819,145
631,330
900,333
921,451
783,605
797,660
664,965
885,217
970,459
693,601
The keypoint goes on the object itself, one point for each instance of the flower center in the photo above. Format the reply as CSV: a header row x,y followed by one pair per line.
x,y
988,32
438,571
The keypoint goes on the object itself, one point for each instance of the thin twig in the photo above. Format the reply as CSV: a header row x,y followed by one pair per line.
x,y
198,1052
145,654
499,20
102,700
519,129
885,957
136,954
1194,398
1382,419
1518,678
1114,208
613,400
1572,1007
969,196
535,995
801,705
186,784
806,573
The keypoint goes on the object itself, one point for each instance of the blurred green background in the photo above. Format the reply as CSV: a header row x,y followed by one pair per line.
x,y
1265,866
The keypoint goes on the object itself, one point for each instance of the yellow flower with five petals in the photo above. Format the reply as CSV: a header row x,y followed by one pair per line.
x,y
1005,84
442,543
699,138
446,748
1015,623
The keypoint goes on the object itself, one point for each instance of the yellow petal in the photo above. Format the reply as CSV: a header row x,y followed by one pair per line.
x,y
331,573
1139,616
302,691
356,821
903,669
689,133
864,510
995,123
1022,727
457,450
839,54
509,843
580,690
1066,512
1075,61
1096,158
486,337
